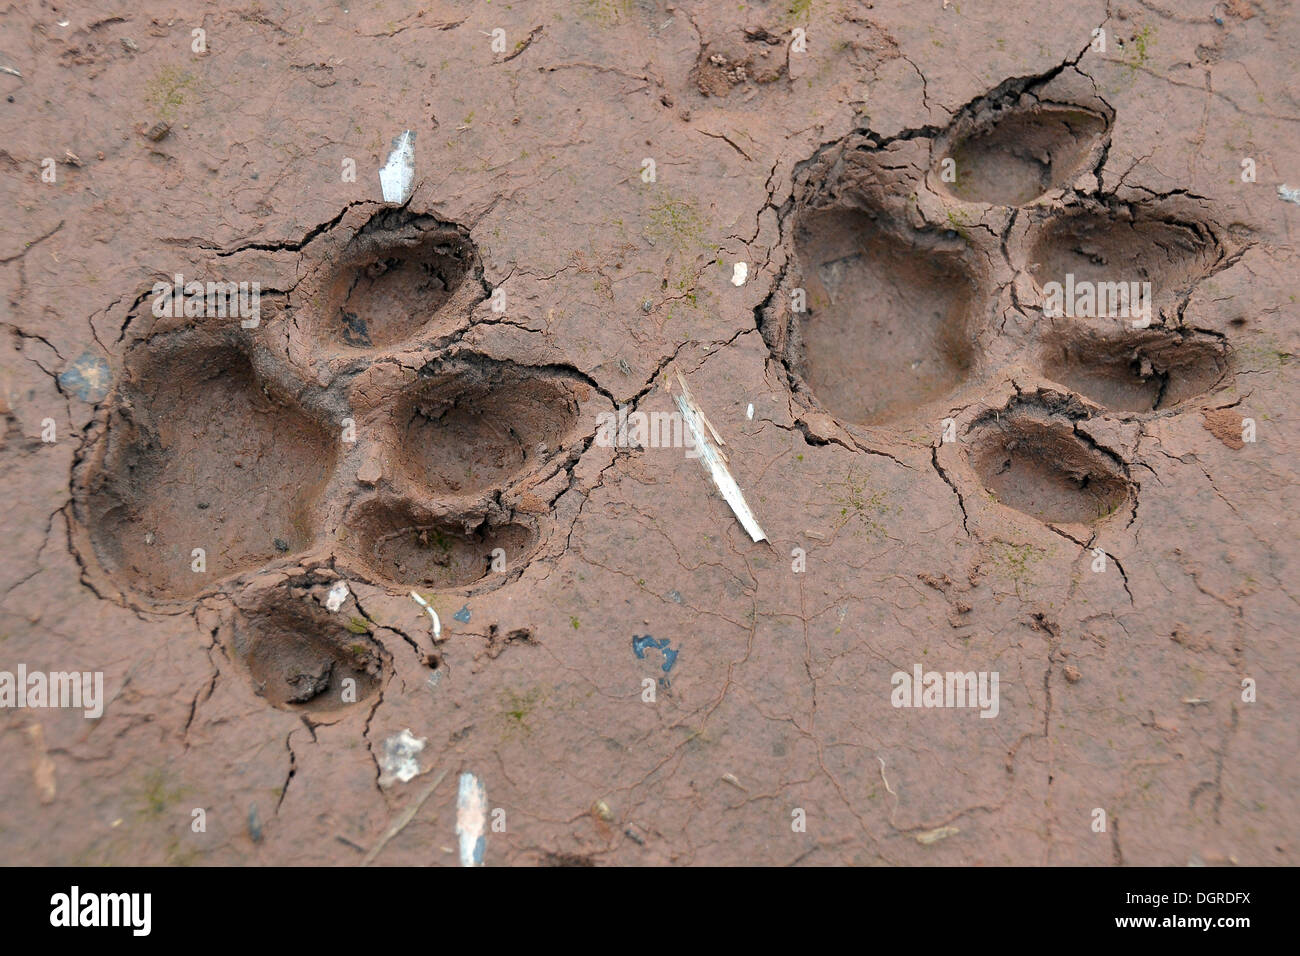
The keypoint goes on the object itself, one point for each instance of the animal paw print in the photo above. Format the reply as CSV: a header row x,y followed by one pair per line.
x,y
349,437
977,286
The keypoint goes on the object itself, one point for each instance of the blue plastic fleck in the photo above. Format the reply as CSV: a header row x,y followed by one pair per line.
x,y
89,378
462,615
639,645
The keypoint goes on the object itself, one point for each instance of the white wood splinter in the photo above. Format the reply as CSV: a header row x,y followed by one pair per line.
x,y
714,460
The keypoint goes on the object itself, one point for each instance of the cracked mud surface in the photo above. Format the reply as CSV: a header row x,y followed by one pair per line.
x,y
387,426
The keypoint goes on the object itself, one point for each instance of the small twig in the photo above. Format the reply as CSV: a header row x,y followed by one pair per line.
x,y
731,779
889,788
433,615
884,778
399,823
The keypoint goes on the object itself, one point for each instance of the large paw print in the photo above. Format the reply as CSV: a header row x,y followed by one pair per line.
x,y
976,287
349,436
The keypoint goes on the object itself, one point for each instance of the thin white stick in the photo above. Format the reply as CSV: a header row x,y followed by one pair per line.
x,y
714,463
437,624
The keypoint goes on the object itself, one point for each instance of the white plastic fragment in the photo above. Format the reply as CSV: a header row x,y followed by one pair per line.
x,y
1286,193
337,595
714,462
471,819
749,412
397,758
437,624
398,173
739,273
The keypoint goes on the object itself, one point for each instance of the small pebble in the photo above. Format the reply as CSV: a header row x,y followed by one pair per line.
x,y
203,506
647,305
281,545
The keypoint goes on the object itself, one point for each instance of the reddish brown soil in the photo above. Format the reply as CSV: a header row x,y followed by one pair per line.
x,y
949,479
